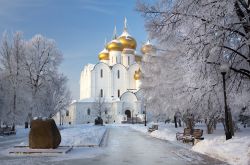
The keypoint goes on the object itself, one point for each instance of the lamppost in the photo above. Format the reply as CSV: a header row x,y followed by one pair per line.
x,y
136,118
224,68
145,113
132,116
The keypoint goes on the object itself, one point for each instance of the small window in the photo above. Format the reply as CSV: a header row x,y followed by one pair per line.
x,y
118,93
118,74
101,93
106,111
67,113
116,60
101,73
88,111
128,60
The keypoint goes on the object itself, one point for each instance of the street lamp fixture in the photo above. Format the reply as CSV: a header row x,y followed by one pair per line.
x,y
224,68
132,117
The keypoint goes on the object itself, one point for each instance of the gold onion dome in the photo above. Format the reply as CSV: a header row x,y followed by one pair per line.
x,y
114,45
127,40
148,48
137,75
104,55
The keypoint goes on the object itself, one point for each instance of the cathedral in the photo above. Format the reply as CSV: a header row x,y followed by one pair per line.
x,y
111,88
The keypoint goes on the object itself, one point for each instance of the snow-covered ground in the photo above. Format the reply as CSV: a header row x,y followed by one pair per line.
x,y
235,151
82,135
77,135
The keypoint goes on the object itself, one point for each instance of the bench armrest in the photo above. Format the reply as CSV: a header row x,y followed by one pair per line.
x,y
179,135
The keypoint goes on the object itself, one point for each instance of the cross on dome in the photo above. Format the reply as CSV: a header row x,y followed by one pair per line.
x,y
125,24
114,33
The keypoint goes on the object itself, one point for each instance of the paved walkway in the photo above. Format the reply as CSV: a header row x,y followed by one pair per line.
x,y
128,147
124,146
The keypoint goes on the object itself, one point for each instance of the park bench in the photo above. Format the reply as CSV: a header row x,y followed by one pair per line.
x,y
193,136
153,128
197,135
185,133
7,131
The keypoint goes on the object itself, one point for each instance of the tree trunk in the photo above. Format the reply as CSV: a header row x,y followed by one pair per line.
x,y
175,122
14,108
179,122
215,123
231,126
210,128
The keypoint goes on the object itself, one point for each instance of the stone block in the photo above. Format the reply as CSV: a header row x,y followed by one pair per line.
x,y
44,134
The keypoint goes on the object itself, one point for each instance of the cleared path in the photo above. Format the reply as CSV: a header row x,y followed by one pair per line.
x,y
126,146
122,146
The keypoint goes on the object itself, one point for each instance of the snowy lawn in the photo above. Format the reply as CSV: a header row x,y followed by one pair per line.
x,y
79,135
82,135
235,151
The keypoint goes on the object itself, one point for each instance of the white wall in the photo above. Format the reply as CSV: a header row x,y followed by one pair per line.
x,y
99,82
129,102
114,57
118,83
85,82
131,71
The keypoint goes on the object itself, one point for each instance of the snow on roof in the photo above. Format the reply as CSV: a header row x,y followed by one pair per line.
x,y
91,99
106,99
125,33
115,40
89,67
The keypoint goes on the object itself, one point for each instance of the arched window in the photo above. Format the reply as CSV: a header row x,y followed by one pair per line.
x,y
101,73
67,113
118,74
118,93
101,93
88,111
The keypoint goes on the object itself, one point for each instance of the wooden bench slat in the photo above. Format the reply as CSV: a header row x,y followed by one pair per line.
x,y
190,135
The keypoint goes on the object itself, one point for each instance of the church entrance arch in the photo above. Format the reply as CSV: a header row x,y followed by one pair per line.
x,y
128,113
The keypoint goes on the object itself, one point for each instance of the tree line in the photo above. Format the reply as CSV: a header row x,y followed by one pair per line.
x,y
193,39
30,83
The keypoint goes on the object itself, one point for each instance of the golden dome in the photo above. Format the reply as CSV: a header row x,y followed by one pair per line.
x,y
127,41
148,48
114,45
104,55
137,75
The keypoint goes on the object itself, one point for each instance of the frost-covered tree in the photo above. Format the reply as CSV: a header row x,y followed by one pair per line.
x,y
41,61
11,54
160,74
206,34
30,82
55,96
100,106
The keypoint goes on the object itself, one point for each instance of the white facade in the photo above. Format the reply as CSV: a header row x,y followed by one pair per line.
x,y
114,81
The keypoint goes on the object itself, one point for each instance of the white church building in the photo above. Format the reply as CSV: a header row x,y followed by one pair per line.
x,y
111,88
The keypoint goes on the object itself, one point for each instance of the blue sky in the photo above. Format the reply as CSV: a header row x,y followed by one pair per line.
x,y
79,27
